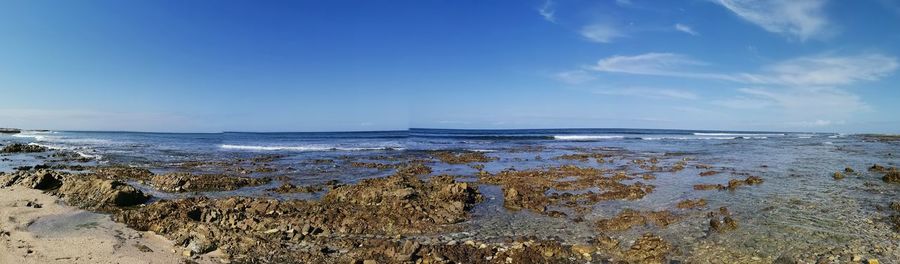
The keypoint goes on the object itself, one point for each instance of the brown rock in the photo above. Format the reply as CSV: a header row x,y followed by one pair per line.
x,y
877,168
892,176
22,148
186,182
838,175
463,157
727,224
687,204
648,249
709,173
100,194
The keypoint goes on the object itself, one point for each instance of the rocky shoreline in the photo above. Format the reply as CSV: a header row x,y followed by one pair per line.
x,y
366,221
404,217
5,130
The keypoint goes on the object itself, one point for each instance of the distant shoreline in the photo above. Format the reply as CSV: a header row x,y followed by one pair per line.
x,y
10,130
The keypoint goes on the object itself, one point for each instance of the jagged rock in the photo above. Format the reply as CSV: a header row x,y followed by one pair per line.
x,y
22,148
186,182
10,130
629,218
461,157
290,188
688,204
123,173
877,168
243,226
648,249
100,194
726,224
82,190
892,176
36,179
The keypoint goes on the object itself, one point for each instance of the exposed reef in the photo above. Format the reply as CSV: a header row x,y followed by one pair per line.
x,y
23,148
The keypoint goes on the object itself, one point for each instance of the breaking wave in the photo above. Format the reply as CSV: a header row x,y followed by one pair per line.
x,y
740,134
585,137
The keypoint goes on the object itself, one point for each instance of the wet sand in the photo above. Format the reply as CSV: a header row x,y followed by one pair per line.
x,y
36,228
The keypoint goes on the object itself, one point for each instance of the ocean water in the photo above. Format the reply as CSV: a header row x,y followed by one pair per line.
x,y
799,209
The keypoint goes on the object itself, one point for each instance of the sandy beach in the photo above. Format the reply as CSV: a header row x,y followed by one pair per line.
x,y
36,228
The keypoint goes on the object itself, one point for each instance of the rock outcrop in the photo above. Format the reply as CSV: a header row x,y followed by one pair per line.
x,y
22,148
187,182
82,190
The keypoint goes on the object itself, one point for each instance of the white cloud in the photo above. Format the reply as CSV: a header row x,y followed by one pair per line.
x,y
800,19
798,107
826,70
648,63
743,102
821,70
825,100
660,64
801,92
650,93
814,123
686,29
547,11
574,77
601,33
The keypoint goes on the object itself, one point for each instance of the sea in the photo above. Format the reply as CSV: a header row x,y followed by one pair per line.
x,y
799,207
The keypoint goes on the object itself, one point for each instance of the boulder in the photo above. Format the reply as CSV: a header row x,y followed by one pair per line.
x,y
100,194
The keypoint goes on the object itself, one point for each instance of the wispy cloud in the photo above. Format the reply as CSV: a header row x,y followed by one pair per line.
x,y
623,2
815,123
826,70
574,77
822,105
820,70
601,33
743,102
660,64
650,93
801,19
798,107
802,88
548,11
829,100
686,29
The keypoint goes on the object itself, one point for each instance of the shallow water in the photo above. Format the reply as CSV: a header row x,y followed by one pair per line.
x,y
61,225
798,210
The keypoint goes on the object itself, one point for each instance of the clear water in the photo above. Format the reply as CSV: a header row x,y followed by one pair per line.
x,y
799,209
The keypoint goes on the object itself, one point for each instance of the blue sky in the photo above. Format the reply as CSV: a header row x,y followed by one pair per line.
x,y
805,65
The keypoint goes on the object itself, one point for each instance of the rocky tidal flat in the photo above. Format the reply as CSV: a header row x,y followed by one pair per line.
x,y
575,202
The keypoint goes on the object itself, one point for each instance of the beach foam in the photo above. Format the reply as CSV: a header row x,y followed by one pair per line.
x,y
35,137
585,137
693,138
738,134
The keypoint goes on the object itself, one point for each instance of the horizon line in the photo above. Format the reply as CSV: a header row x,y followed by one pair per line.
x,y
435,128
